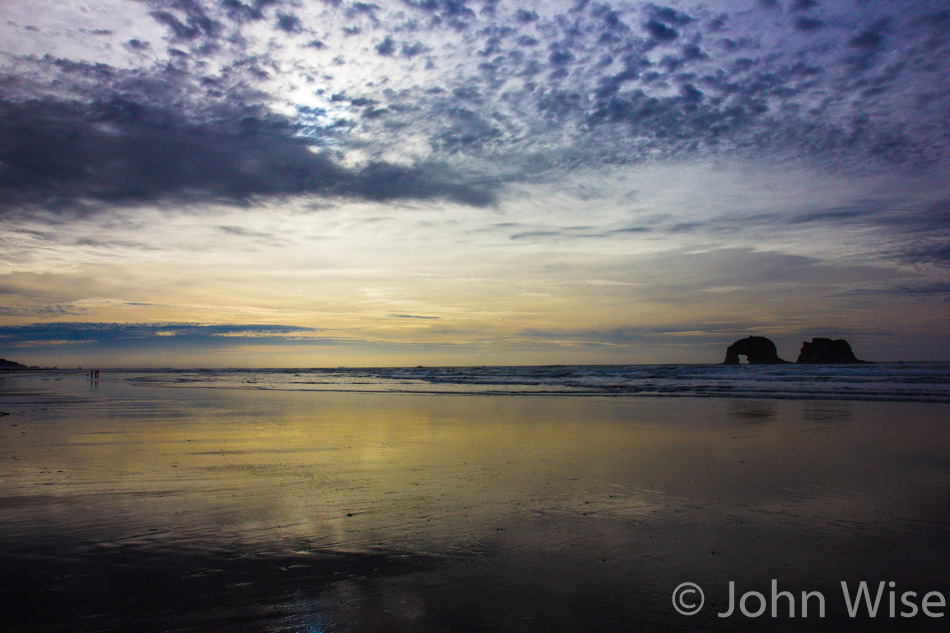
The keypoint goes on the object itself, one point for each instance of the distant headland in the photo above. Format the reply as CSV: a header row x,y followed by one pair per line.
x,y
759,350
9,364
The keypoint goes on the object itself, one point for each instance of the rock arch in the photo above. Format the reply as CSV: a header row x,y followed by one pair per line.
x,y
757,349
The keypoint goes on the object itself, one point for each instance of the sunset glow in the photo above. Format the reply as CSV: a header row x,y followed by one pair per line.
x,y
251,183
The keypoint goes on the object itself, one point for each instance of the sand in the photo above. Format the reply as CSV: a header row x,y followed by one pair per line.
x,y
134,508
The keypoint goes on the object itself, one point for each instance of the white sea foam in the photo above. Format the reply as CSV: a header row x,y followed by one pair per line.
x,y
916,382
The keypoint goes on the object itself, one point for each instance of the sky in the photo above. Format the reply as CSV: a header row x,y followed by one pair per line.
x,y
320,183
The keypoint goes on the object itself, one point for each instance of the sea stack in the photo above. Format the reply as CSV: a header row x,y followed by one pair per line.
x,y
825,350
757,349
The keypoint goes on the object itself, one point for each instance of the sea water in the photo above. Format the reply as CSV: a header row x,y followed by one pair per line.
x,y
906,382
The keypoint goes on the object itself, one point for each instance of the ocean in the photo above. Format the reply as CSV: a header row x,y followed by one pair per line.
x,y
568,498
901,382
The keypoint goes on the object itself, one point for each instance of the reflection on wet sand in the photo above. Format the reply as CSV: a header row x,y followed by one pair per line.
x,y
828,412
752,411
191,509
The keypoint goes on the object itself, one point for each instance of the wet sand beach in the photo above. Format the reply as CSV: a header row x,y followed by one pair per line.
x,y
148,508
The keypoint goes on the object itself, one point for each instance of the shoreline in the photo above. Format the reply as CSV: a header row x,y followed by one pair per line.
x,y
878,382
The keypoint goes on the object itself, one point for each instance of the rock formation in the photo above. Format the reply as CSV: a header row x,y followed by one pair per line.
x,y
825,350
9,364
757,349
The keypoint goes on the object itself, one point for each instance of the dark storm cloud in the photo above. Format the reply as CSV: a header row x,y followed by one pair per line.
x,y
60,154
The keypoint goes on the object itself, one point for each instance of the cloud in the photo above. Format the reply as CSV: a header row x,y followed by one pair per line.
x,y
138,45
187,21
414,316
241,12
386,47
289,23
362,8
803,5
574,233
869,39
411,50
453,13
934,251
123,335
669,15
232,109
807,24
660,31
560,56
68,154
524,16
41,312
162,344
